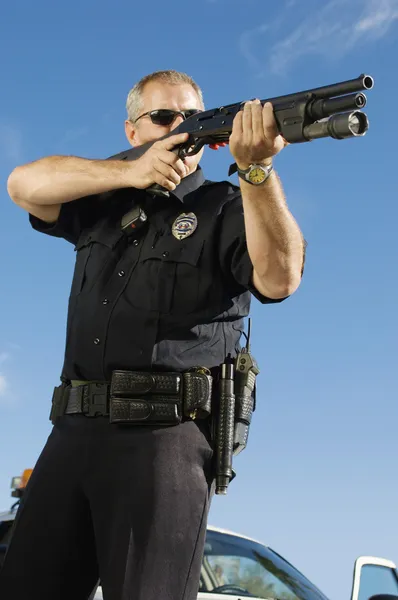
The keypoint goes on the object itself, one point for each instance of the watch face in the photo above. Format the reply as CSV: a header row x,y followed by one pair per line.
x,y
257,175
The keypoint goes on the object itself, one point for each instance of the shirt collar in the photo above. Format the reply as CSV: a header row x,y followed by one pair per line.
x,y
189,184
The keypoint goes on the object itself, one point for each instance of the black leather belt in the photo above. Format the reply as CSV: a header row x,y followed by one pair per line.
x,y
137,397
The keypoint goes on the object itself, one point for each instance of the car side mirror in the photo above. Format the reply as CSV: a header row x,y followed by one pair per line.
x,y
374,579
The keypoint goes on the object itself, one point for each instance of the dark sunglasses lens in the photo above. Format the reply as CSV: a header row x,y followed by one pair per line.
x,y
163,117
166,116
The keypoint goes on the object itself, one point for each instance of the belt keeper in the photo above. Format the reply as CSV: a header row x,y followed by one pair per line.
x,y
58,402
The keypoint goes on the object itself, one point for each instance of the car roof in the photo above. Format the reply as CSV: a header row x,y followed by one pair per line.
x,y
234,533
9,515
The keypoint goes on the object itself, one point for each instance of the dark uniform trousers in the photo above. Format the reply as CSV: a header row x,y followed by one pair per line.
x,y
126,504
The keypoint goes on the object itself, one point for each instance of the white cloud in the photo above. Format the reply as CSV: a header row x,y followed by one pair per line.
x,y
247,43
331,32
377,18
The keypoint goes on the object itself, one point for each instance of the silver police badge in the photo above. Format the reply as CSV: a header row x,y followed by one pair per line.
x,y
184,225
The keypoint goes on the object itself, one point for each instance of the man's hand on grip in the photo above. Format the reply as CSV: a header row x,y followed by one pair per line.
x,y
159,165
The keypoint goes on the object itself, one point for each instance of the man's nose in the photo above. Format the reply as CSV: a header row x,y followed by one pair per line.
x,y
177,121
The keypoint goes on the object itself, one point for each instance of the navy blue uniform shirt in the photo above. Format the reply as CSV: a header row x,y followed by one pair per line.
x,y
150,300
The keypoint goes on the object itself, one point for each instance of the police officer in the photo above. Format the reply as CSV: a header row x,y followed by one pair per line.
x,y
121,490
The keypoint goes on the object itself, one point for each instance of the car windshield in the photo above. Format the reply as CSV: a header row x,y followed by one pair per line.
x,y
236,566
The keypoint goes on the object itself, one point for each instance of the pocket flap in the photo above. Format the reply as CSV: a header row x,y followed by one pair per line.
x,y
103,235
186,251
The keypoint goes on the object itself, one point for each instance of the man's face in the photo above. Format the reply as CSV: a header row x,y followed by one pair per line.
x,y
163,95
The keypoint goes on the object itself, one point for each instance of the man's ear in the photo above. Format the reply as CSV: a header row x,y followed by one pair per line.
x,y
130,133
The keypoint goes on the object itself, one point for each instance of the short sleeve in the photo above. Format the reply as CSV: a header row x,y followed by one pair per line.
x,y
236,264
73,218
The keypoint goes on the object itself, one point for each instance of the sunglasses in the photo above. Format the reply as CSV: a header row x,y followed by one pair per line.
x,y
165,116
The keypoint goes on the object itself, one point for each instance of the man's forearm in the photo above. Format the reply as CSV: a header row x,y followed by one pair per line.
x,y
60,179
275,242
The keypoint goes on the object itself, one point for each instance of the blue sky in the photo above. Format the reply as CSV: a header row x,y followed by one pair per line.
x,y
318,481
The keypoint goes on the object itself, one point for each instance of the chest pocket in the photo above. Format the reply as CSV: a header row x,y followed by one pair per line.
x,y
96,254
189,277
169,275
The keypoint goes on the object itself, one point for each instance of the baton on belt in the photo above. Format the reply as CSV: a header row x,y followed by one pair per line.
x,y
225,429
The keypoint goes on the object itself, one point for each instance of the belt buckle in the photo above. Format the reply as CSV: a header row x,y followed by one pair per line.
x,y
96,401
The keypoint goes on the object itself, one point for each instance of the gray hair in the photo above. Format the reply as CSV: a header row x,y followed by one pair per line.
x,y
134,98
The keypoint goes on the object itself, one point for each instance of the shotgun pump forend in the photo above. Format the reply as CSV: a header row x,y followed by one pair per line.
x,y
329,111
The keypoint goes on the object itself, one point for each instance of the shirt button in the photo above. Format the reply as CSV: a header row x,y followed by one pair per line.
x,y
121,273
136,242
165,254
105,301
96,341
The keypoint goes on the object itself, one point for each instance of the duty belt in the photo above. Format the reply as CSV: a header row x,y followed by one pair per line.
x,y
139,397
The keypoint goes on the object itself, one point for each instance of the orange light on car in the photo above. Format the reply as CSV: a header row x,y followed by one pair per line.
x,y
25,477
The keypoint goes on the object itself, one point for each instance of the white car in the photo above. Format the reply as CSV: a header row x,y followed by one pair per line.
x,y
236,567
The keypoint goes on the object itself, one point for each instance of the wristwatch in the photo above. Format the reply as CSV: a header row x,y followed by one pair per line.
x,y
256,174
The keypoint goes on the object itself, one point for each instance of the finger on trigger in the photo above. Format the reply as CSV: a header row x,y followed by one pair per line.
x,y
174,140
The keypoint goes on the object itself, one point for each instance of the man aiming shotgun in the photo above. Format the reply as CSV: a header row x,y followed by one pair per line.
x,y
156,393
